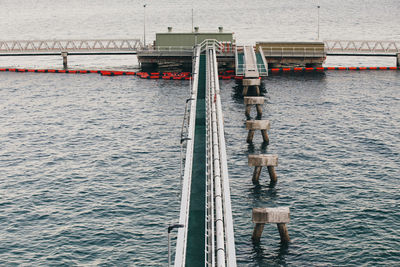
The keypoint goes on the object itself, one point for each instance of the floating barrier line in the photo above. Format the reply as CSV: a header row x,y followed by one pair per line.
x,y
102,72
277,70
223,75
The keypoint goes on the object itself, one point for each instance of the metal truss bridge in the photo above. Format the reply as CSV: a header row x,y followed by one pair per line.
x,y
362,47
73,46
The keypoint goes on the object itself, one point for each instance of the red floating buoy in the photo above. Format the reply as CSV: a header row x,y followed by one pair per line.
x,y
105,73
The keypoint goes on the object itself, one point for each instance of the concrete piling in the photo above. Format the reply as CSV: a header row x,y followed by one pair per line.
x,y
280,216
258,101
251,82
253,125
250,136
262,160
65,60
245,90
257,232
272,174
283,232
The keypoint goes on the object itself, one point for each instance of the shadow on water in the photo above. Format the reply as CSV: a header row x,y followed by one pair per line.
x,y
264,257
237,95
264,190
238,91
251,148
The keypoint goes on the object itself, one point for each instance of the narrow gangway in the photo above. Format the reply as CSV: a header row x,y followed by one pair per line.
x,y
207,236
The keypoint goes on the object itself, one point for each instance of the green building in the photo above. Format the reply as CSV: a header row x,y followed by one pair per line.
x,y
170,38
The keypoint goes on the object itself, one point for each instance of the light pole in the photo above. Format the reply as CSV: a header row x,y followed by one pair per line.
x,y
192,19
144,25
318,20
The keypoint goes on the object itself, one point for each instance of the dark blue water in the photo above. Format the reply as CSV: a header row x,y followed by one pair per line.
x,y
89,169
338,169
89,165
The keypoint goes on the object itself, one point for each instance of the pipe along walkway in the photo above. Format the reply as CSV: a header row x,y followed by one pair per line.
x,y
206,235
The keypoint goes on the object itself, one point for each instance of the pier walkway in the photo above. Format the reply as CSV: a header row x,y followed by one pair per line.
x,y
206,236
72,46
250,64
361,48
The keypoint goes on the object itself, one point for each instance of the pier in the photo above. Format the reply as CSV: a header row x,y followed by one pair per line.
x,y
205,233
72,47
176,49
207,236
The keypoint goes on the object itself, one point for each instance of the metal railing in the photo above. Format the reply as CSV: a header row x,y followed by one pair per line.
x,y
220,243
211,44
73,45
263,70
180,254
240,69
228,47
220,214
293,51
221,48
237,63
362,46
186,49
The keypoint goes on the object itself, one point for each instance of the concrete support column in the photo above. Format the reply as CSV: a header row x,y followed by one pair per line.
x,y
251,82
253,125
258,101
272,174
280,216
65,60
263,160
245,90
283,232
398,60
259,111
